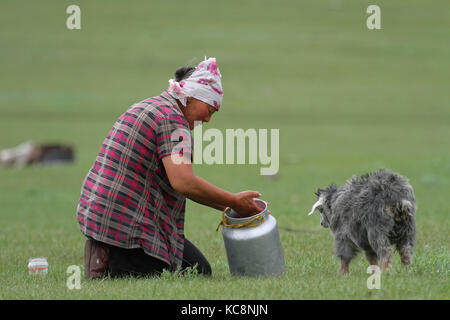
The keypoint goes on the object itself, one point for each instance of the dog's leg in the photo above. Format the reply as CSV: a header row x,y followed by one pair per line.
x,y
405,245
385,255
345,250
371,258
406,254
344,269
382,247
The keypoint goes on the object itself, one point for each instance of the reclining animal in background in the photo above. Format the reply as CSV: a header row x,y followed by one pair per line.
x,y
30,153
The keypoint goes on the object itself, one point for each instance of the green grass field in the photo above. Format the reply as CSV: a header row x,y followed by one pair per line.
x,y
347,100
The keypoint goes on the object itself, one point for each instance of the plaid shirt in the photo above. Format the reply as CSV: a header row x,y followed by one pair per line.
x,y
126,198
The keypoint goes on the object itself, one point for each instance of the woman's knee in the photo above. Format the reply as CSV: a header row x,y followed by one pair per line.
x,y
193,258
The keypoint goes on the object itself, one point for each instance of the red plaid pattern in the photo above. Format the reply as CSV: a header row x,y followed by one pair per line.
x,y
126,198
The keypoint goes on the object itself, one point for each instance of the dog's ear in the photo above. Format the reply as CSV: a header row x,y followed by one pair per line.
x,y
407,208
318,192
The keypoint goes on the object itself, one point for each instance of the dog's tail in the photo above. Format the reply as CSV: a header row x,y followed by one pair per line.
x,y
402,210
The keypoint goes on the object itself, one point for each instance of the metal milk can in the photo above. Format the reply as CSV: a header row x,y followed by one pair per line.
x,y
253,244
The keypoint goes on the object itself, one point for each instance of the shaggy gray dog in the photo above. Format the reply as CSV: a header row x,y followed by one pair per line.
x,y
371,213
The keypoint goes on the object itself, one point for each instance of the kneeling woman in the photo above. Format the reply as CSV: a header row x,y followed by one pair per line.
x,y
132,202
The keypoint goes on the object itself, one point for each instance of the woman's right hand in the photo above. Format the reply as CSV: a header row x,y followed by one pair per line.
x,y
184,181
245,206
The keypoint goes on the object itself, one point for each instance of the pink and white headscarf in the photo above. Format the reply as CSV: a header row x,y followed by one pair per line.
x,y
204,84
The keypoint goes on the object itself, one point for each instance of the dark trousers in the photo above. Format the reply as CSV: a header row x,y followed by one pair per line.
x,y
135,262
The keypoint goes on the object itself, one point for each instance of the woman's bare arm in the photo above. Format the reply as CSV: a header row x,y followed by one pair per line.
x,y
184,181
